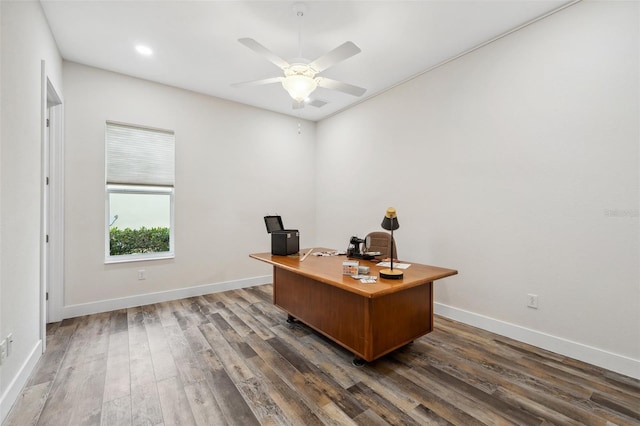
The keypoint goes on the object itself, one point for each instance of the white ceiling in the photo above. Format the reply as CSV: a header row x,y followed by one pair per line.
x,y
195,42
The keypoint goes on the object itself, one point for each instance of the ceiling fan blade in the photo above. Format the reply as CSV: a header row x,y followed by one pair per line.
x,y
328,83
318,103
258,82
266,53
339,54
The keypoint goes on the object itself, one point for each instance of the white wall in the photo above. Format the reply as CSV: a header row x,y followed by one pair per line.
x,y
517,165
26,41
234,164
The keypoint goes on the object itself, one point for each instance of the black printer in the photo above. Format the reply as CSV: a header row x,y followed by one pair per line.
x,y
283,241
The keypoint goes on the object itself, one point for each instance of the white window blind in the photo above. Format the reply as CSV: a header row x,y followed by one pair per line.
x,y
139,156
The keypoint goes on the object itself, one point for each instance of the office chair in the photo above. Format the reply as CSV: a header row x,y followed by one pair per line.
x,y
380,241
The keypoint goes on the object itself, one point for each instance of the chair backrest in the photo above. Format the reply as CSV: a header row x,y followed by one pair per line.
x,y
380,241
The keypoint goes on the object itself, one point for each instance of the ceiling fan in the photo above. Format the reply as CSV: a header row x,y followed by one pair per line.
x,y
301,76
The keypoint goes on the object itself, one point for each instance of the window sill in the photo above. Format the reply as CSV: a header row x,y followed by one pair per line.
x,y
141,258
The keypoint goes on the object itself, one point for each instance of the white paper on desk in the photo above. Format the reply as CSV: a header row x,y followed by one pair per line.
x,y
395,265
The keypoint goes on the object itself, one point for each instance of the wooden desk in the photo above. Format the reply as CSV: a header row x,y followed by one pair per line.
x,y
370,320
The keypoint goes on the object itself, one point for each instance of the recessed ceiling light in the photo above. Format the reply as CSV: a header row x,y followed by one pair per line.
x,y
144,50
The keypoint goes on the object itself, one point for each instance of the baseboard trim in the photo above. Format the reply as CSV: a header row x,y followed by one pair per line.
x,y
72,311
10,396
601,358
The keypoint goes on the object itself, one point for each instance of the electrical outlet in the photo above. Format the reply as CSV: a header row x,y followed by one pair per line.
x,y
3,351
9,344
142,274
532,301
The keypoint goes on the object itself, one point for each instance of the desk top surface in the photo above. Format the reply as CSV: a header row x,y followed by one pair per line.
x,y
328,269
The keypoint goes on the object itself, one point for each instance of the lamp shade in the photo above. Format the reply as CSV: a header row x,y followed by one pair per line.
x,y
390,221
299,86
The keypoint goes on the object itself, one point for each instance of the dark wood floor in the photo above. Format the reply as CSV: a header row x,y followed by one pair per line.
x,y
230,358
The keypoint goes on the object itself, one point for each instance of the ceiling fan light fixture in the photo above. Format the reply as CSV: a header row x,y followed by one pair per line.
x,y
300,76
299,86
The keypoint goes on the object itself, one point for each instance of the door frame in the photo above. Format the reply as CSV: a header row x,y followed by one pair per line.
x,y
52,207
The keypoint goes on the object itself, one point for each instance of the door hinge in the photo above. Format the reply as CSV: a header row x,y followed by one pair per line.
x,y
46,296
47,180
46,240
47,122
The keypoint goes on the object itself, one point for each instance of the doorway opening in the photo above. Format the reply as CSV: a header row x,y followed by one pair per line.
x,y
52,207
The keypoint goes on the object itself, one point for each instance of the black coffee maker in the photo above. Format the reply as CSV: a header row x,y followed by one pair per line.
x,y
355,249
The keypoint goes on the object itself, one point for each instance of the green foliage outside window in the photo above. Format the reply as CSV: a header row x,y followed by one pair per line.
x,y
135,241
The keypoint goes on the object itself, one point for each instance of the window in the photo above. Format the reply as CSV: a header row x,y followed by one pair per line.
x,y
139,193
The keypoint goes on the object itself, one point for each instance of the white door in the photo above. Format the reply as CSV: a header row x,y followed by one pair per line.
x,y
52,210
46,208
